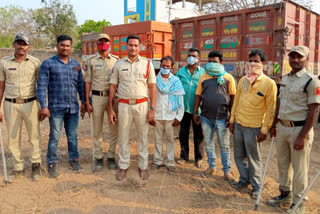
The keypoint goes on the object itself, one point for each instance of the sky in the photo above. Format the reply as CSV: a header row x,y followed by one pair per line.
x,y
110,10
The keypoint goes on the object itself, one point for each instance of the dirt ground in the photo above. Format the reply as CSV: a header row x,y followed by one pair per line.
x,y
182,192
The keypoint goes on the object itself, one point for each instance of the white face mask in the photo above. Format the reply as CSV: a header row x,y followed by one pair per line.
x,y
192,60
164,71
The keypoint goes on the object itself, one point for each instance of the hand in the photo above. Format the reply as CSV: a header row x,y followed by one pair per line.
x,y
112,117
89,108
273,132
152,123
82,110
261,137
196,119
299,143
150,116
44,112
231,128
176,122
1,117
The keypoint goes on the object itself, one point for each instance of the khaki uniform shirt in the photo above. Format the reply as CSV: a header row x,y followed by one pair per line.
x,y
99,71
20,77
131,77
293,100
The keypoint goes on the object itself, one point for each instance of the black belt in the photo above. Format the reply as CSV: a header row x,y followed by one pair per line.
x,y
100,93
20,101
291,123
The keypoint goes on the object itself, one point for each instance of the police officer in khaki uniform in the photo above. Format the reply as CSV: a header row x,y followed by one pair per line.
x,y
131,77
18,79
97,80
296,114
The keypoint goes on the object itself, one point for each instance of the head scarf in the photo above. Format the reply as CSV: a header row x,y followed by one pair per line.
x,y
253,71
216,70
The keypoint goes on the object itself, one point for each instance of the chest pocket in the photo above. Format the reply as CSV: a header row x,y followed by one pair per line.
x,y
30,71
12,74
98,70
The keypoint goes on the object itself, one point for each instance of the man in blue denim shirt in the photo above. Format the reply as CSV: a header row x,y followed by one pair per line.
x,y
189,77
61,77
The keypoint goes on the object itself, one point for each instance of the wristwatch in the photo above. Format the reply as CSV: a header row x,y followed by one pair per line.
x,y
151,108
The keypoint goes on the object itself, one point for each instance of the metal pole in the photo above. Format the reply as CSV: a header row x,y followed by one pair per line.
x,y
305,193
3,157
92,145
263,177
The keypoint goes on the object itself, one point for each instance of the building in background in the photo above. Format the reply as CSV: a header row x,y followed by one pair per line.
x,y
159,10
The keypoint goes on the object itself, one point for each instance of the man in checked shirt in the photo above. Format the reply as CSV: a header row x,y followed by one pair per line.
x,y
61,77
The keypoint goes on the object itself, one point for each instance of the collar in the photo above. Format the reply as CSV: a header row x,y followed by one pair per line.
x,y
259,78
299,73
99,56
60,60
137,59
14,58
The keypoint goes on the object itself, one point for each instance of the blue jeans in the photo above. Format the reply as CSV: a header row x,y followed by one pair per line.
x,y
70,125
209,126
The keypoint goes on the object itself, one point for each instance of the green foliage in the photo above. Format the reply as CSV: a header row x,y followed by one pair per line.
x,y
55,18
91,26
6,41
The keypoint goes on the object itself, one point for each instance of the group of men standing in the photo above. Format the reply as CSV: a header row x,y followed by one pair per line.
x,y
129,91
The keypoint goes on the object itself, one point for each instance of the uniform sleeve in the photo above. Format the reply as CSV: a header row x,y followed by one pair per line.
x,y
271,100
313,91
199,87
152,74
232,86
115,74
88,73
236,100
37,70
2,73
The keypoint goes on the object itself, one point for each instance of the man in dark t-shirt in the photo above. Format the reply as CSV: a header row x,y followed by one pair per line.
x,y
215,91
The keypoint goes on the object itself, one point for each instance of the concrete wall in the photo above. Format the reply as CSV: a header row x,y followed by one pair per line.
x,y
40,54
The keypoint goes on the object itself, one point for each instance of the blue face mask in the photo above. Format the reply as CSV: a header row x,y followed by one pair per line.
x,y
192,60
165,71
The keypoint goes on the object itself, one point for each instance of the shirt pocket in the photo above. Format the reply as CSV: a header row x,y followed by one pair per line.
x,y
257,98
12,75
297,95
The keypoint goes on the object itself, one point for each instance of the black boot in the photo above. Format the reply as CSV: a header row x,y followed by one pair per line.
x,y
35,171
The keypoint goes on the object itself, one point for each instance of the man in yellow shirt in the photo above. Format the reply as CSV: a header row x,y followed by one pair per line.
x,y
251,118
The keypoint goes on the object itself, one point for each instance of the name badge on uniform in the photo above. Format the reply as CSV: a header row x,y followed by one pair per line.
x,y
98,66
12,69
125,69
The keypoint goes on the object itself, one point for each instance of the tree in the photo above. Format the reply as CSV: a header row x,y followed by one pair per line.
x,y
15,20
56,17
91,26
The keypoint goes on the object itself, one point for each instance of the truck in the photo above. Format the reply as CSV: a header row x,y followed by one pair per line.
x,y
155,40
273,29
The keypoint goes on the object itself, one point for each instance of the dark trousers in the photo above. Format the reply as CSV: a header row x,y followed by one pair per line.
x,y
184,138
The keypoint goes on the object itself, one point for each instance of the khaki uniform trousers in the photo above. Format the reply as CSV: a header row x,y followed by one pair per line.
x,y
14,115
293,165
164,133
127,114
99,105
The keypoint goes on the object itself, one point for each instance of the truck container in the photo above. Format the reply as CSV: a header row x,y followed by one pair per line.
x,y
274,29
155,40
